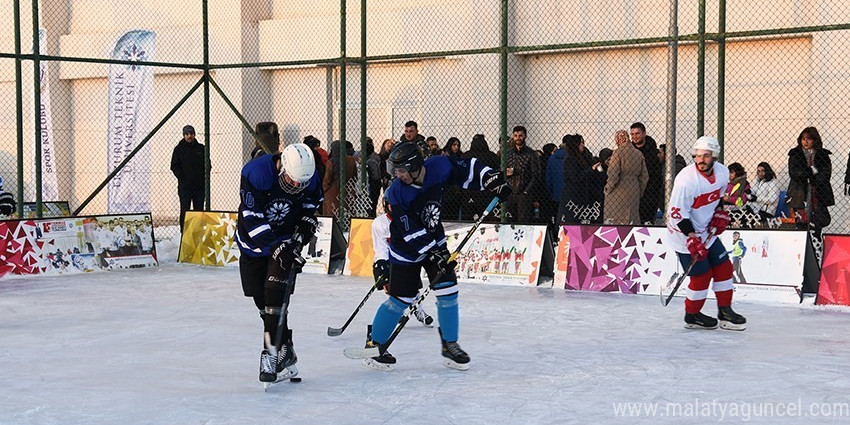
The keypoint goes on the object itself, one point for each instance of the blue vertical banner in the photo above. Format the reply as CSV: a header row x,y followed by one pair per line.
x,y
130,104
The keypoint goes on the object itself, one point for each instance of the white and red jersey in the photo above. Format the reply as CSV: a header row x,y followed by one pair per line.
x,y
381,236
695,197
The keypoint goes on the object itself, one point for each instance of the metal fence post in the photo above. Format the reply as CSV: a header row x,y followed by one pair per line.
x,y
36,72
19,108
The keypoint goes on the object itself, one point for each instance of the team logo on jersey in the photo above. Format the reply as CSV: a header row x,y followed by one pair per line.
x,y
431,215
706,199
277,211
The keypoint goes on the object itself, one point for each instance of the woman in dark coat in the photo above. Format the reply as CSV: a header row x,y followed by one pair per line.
x,y
453,196
577,196
810,189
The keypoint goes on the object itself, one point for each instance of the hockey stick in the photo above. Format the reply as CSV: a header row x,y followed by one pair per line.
x,y
339,331
362,353
666,301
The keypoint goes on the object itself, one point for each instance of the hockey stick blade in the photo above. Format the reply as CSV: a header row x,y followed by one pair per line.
x,y
357,353
338,331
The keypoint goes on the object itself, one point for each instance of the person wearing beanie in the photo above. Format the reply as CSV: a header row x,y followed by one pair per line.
x,y
188,165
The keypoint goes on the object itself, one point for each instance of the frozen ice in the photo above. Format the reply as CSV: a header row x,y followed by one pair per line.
x,y
179,344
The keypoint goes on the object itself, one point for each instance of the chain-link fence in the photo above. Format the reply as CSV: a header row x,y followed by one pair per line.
x,y
755,74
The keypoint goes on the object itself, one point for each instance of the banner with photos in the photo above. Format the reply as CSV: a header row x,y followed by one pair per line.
x,y
507,254
76,244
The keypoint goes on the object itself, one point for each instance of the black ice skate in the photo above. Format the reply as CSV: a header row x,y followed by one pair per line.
x,y
699,321
384,360
730,320
454,357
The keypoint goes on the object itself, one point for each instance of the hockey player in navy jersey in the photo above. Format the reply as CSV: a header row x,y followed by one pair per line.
x,y
279,197
417,241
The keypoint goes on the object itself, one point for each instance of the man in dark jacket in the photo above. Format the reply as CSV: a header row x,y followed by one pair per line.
x,y
653,195
188,165
523,175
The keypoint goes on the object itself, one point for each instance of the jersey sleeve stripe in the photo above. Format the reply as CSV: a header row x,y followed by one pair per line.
x,y
403,259
244,245
259,229
249,213
412,236
471,173
481,177
428,247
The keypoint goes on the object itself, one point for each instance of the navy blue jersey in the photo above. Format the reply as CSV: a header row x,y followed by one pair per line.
x,y
267,214
416,227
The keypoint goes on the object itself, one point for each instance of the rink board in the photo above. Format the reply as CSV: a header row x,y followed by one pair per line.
x,y
636,260
502,254
208,239
55,246
834,285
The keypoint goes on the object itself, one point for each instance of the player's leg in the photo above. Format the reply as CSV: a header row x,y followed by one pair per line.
x,y
277,289
404,285
252,271
700,278
448,315
722,270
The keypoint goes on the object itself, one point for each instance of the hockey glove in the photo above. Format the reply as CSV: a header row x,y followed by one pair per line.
x,y
441,259
719,221
288,256
495,183
697,249
305,230
381,272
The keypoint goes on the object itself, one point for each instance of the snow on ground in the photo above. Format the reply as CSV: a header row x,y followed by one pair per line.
x,y
179,344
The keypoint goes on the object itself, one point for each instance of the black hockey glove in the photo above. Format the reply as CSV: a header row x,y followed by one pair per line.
x,y
381,272
441,259
305,230
288,256
495,183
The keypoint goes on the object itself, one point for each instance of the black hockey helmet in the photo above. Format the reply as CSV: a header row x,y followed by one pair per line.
x,y
406,156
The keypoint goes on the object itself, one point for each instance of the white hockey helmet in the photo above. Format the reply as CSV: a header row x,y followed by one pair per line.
x,y
296,163
707,143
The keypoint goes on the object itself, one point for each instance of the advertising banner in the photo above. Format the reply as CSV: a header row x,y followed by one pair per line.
x,y
208,239
834,285
130,102
76,244
506,254
635,260
360,253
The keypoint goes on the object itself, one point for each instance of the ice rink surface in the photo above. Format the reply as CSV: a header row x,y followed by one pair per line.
x,y
179,344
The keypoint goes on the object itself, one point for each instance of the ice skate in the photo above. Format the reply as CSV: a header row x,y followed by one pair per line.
x,y
423,317
699,321
384,361
730,320
454,357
